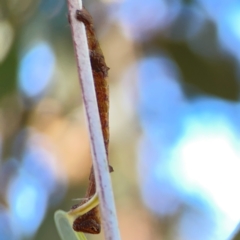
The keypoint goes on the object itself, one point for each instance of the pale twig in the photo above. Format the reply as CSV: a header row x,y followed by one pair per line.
x,y
100,165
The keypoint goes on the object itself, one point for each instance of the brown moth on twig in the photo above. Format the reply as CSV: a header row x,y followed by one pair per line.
x,y
90,222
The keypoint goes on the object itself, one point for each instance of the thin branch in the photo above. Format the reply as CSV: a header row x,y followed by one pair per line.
x,y
100,165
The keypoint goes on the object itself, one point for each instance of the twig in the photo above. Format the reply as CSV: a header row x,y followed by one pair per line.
x,y
100,165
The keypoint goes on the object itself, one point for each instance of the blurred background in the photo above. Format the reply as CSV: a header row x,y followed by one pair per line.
x,y
174,117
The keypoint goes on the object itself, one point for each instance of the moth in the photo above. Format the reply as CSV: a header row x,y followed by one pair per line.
x,y
90,222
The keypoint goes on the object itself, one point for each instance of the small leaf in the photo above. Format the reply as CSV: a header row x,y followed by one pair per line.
x,y
64,220
86,207
64,226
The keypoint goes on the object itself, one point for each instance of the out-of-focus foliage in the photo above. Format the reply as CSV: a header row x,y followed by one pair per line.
x,y
188,101
174,117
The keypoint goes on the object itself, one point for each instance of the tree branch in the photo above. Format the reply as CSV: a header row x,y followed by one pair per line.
x,y
100,165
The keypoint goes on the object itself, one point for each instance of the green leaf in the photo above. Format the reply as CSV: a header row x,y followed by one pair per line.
x,y
64,226
64,220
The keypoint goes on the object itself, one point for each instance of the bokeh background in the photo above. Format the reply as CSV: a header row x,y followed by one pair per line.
x,y
174,117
